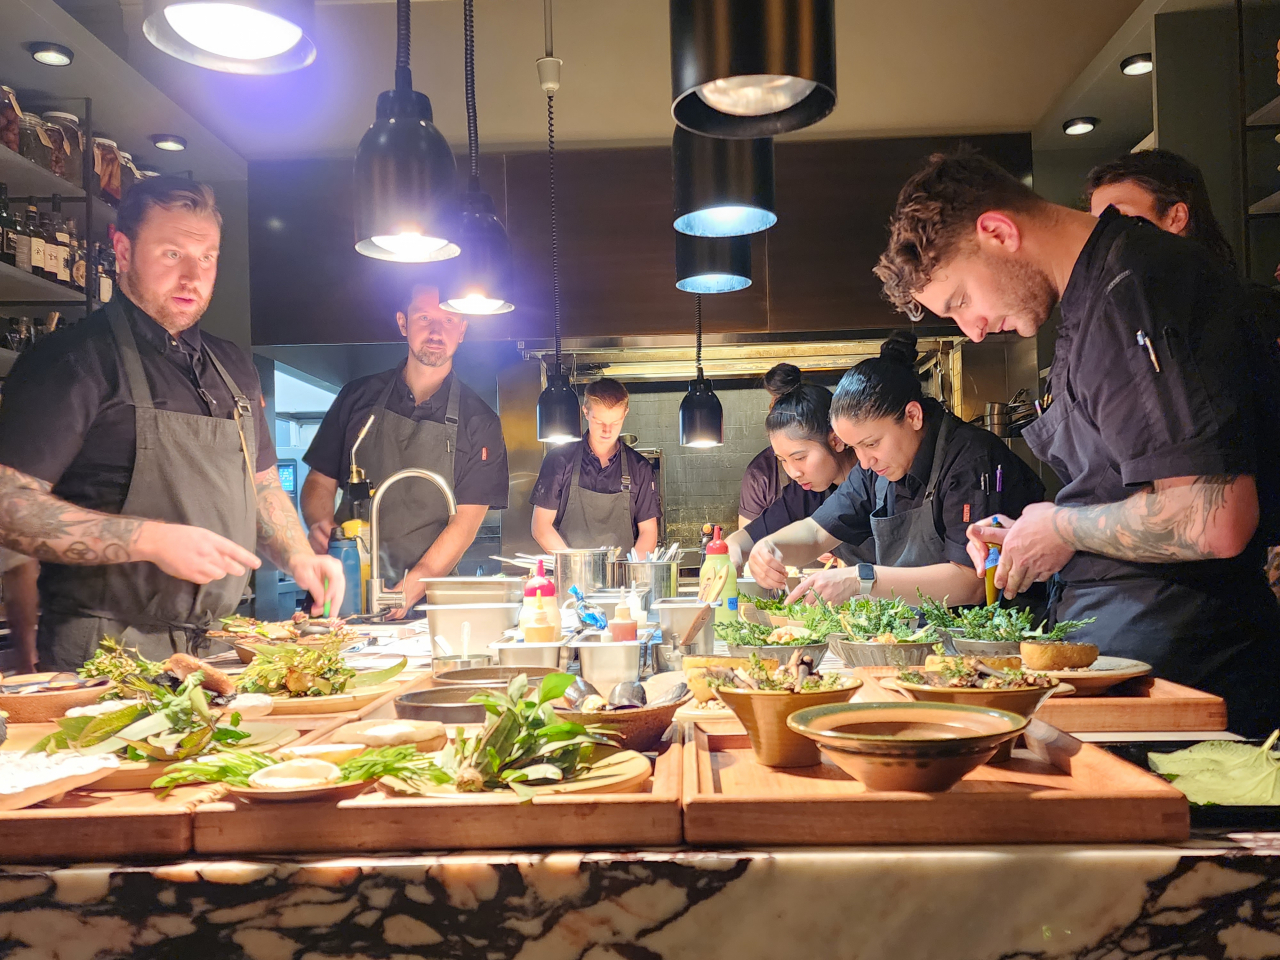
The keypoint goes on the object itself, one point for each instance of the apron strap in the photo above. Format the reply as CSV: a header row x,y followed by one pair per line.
x,y
385,397
134,375
939,448
626,468
451,411
243,409
577,465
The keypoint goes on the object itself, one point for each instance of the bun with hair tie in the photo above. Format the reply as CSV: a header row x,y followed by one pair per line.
x,y
782,379
900,348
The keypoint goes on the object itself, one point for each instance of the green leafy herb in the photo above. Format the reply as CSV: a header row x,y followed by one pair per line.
x,y
297,671
114,661
1224,772
234,767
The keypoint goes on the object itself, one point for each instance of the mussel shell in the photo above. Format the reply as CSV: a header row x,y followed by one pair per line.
x,y
578,691
314,630
629,693
674,695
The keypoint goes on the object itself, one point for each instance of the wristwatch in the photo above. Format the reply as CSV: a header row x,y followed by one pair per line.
x,y
866,578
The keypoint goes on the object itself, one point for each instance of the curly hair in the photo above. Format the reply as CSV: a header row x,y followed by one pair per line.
x,y
935,216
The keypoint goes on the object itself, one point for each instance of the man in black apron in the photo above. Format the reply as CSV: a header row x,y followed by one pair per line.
x,y
1151,420
597,491
422,416
136,459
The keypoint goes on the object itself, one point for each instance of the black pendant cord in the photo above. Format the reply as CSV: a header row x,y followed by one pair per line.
x,y
555,239
404,80
697,332
469,72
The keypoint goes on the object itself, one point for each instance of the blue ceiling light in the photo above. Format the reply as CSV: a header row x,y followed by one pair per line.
x,y
712,264
723,188
234,36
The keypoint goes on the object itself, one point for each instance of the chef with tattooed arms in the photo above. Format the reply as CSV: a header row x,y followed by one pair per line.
x,y
135,461
1151,422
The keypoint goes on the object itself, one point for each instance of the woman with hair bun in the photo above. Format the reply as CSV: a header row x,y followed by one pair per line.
x,y
803,444
922,477
764,480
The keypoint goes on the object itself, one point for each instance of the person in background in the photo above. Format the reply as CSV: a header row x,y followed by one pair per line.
x,y
764,480
18,575
597,491
803,444
923,476
135,460
1157,535
423,416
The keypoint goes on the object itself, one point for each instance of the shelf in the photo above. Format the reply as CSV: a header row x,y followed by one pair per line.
x,y
26,179
1267,116
18,285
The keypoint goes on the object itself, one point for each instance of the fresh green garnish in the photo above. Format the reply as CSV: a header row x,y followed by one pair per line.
x,y
307,671
234,767
114,661
1224,772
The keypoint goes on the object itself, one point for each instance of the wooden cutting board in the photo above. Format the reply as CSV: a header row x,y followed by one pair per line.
x,y
1059,791
1142,705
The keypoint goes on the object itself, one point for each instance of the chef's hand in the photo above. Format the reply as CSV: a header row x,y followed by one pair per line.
x,y
192,553
414,590
833,586
982,533
319,534
1032,550
767,568
310,572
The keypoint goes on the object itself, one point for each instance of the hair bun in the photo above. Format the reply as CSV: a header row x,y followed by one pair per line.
x,y
900,348
782,379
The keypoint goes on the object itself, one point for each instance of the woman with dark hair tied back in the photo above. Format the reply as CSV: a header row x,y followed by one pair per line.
x,y
803,445
764,480
922,477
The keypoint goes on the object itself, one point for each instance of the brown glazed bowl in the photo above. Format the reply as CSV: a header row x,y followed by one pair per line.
x,y
764,713
639,729
1024,701
920,747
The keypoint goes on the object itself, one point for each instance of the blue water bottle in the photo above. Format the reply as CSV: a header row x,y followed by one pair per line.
x,y
347,552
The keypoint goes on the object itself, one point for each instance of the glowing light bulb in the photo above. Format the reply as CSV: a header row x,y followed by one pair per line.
x,y
476,303
410,246
755,96
727,220
231,30
1079,126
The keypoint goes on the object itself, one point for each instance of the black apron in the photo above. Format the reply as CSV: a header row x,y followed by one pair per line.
x,y
911,538
597,519
1192,627
188,469
413,513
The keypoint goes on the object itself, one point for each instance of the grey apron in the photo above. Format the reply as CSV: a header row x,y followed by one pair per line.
x,y
911,538
597,519
189,469
414,512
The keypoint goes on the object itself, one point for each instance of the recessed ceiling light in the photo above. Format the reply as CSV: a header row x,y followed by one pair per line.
x,y
1079,126
1137,65
51,54
169,141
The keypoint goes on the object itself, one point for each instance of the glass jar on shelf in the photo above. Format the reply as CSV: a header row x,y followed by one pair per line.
x,y
33,141
10,112
68,126
106,170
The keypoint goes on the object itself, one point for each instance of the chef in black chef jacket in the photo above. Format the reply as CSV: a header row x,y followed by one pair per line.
x,y
135,460
597,491
1151,423
764,479
423,416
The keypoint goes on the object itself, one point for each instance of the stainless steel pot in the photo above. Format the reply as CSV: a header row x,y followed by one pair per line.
x,y
488,622
653,580
468,590
605,665
511,654
675,615
588,570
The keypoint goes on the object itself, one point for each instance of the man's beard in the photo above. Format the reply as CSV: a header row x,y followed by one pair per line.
x,y
160,309
431,356
1029,294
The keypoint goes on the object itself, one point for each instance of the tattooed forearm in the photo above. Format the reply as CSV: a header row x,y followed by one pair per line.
x,y
1190,518
36,523
280,533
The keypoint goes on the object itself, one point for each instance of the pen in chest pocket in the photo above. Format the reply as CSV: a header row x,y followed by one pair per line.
x,y
1145,341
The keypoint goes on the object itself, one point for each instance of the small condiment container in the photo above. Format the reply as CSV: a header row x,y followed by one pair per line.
x,y
622,626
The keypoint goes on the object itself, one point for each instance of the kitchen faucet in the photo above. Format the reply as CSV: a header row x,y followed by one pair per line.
x,y
380,598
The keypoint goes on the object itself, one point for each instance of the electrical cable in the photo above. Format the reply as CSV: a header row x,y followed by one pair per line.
x,y
469,73
697,332
404,81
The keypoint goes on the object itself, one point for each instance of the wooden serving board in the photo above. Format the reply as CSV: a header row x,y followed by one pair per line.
x,y
377,821
1141,705
1058,791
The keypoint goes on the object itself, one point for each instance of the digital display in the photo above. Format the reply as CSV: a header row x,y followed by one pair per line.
x,y
289,476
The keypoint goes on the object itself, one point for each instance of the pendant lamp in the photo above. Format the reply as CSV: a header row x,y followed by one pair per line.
x,y
234,36
712,264
752,68
559,412
723,188
701,416
404,172
481,281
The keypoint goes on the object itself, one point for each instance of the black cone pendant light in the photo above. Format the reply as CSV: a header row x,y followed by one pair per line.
x,y
404,172
752,68
482,273
723,188
559,413
701,416
712,264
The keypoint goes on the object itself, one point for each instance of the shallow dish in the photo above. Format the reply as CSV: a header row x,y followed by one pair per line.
x,y
47,705
866,654
447,704
1024,701
1104,674
330,791
919,747
429,735
354,699
782,652
985,648
639,729
764,713
246,653
611,771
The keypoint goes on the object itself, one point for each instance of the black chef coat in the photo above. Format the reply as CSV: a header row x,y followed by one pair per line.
x,y
551,489
761,484
1117,424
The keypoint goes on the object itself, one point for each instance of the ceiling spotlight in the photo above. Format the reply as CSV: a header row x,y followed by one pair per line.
x,y
712,264
1079,126
1138,65
50,54
723,188
169,141
234,36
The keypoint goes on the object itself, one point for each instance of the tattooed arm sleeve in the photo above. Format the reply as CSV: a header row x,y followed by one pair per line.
x,y
36,523
280,533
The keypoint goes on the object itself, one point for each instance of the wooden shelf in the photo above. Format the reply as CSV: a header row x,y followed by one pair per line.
x,y
18,285
26,179
1266,116
1267,206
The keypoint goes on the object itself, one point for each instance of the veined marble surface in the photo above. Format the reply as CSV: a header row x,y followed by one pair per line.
x,y
910,903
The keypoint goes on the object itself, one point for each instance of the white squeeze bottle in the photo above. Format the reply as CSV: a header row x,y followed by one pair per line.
x,y
540,603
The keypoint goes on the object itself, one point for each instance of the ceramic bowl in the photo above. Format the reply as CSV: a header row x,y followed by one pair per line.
x,y
935,663
781,653
43,706
639,729
1024,702
856,654
447,704
764,713
695,671
920,747
984,648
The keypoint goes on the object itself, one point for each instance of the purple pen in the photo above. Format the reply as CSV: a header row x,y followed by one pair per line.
x,y
999,479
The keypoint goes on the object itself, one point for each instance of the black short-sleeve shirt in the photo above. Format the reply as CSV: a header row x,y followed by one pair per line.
x,y
479,464
970,453
761,485
551,489
68,415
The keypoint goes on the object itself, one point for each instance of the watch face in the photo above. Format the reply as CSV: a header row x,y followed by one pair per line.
x,y
866,571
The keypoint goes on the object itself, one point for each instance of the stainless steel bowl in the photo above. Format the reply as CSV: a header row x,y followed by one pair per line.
x,y
985,648
492,676
454,591
511,654
588,570
446,704
782,654
605,665
856,654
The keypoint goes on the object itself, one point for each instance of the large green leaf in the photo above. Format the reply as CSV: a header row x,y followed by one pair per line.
x,y
107,725
554,686
147,726
375,677
73,727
